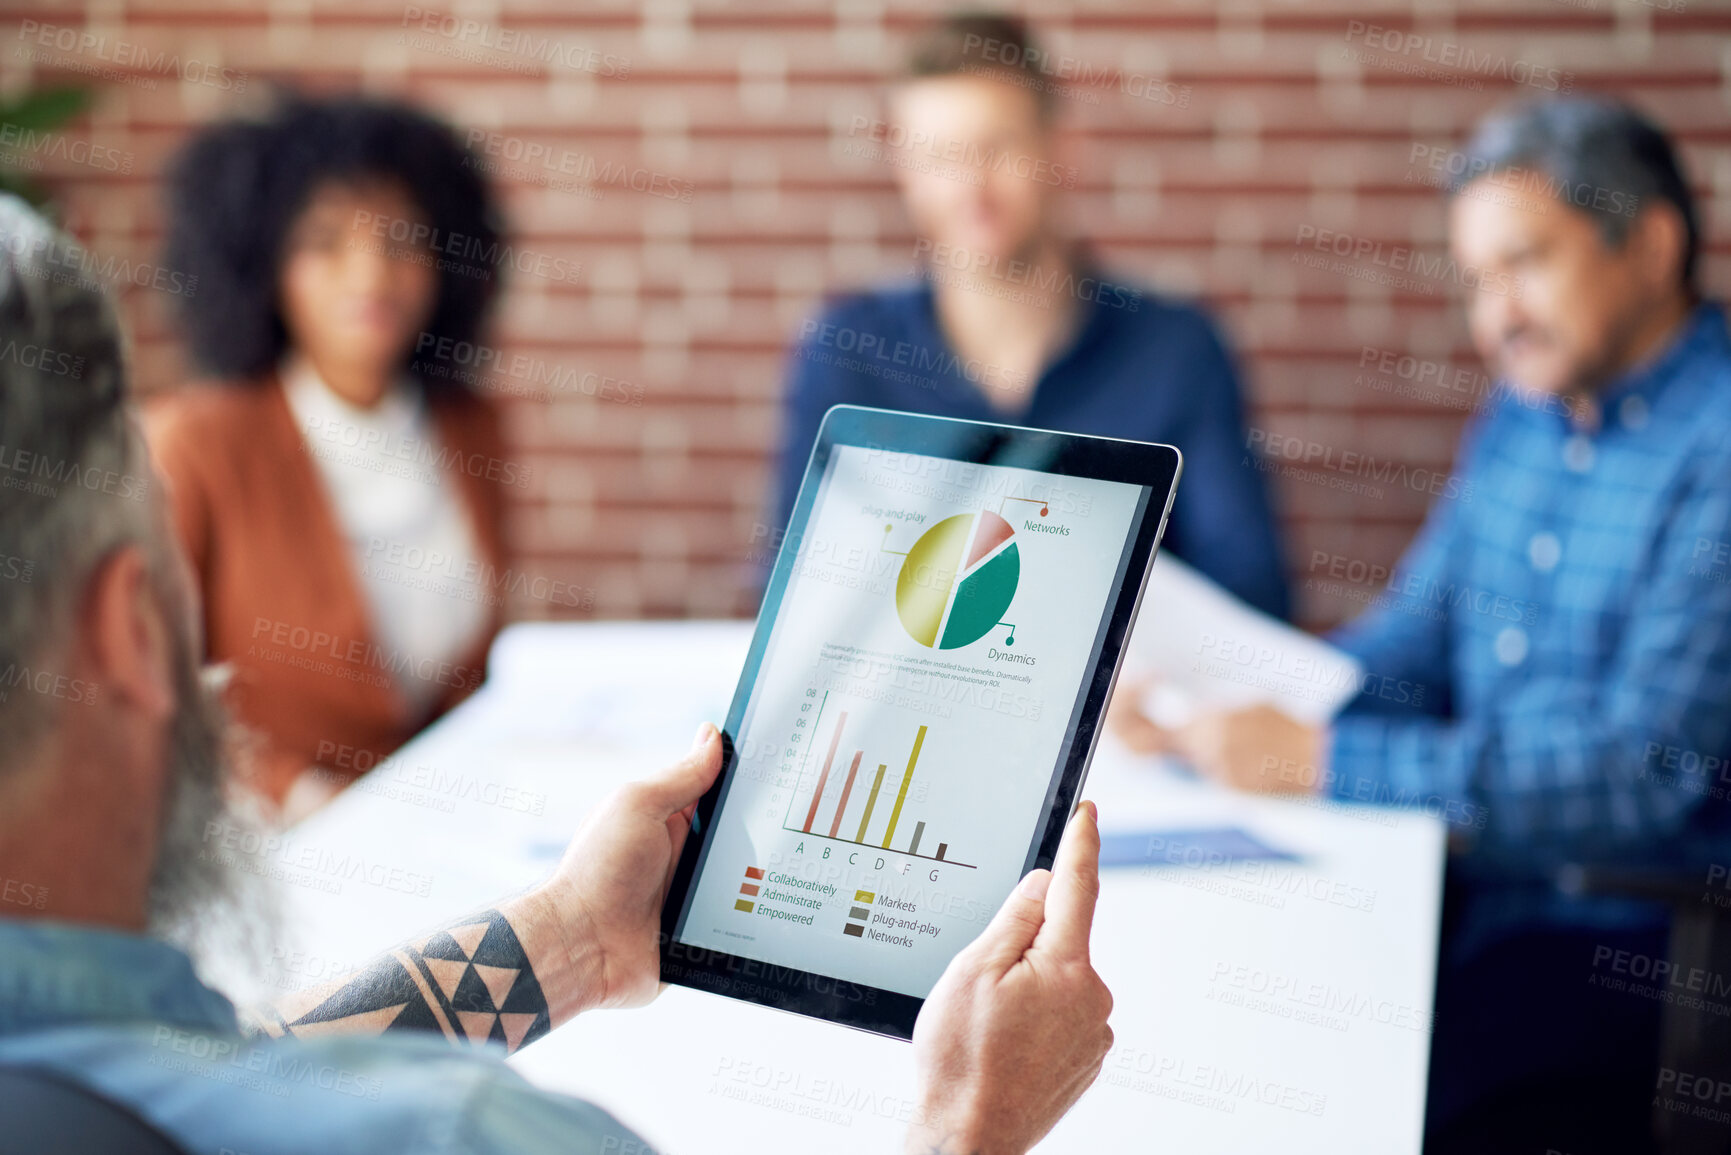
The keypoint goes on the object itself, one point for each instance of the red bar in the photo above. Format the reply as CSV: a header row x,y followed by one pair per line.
x,y
817,795
846,789
754,872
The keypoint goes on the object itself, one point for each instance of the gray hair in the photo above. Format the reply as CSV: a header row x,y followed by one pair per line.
x,y
73,471
1599,155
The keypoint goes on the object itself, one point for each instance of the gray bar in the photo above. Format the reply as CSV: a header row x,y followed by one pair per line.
x,y
914,846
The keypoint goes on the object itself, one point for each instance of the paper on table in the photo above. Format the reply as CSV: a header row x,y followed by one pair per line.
x,y
1207,648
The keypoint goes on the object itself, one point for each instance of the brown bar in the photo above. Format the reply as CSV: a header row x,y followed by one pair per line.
x,y
817,795
846,789
942,846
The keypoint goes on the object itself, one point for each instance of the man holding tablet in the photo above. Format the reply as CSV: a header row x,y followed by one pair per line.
x,y
111,792
917,709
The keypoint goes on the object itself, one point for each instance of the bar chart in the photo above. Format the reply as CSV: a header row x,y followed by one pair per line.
x,y
824,796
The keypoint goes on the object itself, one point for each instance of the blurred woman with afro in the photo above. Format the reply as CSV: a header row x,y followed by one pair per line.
x,y
339,496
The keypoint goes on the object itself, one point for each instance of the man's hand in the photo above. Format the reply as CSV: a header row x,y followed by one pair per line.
x,y
1015,1030
1258,748
606,895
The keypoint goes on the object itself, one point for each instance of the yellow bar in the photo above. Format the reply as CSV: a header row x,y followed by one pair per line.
x,y
870,802
907,780
742,904
864,896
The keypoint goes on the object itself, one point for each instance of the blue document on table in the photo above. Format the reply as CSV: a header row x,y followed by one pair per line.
x,y
1207,846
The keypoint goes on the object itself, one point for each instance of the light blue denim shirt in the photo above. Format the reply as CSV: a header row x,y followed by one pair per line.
x,y
128,1017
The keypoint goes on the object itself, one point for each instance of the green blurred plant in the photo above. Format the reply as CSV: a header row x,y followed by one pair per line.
x,y
42,110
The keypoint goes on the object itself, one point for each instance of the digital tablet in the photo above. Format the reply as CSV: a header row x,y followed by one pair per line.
x,y
922,696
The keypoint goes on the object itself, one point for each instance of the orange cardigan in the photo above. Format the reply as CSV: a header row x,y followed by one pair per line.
x,y
282,598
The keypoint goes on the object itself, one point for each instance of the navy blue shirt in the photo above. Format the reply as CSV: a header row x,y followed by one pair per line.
x,y
1138,367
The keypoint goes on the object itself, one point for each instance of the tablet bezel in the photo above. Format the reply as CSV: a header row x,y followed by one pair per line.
x,y
1156,467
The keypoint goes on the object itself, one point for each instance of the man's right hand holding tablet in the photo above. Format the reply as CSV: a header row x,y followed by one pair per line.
x,y
1015,1030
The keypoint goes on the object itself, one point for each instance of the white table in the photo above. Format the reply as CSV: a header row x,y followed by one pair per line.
x,y
1260,1007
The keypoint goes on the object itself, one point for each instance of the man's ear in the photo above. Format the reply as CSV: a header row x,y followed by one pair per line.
x,y
1661,239
129,637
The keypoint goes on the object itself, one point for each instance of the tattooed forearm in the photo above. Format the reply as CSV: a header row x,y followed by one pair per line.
x,y
471,980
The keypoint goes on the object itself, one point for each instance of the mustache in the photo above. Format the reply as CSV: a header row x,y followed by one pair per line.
x,y
1523,332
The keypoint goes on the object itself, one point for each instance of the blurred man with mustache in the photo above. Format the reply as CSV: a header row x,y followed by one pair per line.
x,y
1549,669
114,838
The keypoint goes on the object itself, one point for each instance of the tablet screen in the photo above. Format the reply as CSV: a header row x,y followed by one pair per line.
x,y
909,714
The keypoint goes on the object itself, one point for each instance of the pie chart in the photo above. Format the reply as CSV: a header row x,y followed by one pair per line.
x,y
958,579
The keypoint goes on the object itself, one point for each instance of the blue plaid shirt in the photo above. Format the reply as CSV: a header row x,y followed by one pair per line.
x,y
1566,624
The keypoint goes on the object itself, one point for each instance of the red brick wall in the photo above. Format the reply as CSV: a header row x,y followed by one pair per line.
x,y
1231,129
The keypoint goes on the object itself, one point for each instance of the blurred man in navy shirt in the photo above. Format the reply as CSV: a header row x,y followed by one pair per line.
x,y
1012,321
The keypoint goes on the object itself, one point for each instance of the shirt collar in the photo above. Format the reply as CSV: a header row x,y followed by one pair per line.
x,y
1631,399
58,974
1094,317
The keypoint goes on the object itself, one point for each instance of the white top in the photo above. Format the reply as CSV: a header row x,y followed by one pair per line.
x,y
407,528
